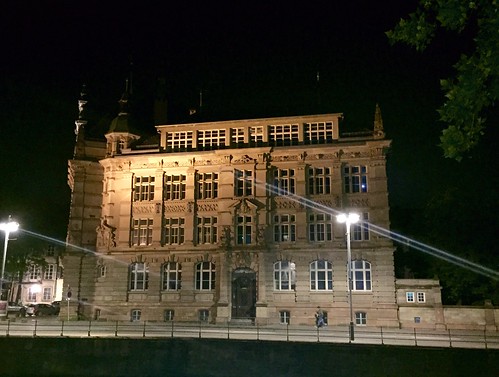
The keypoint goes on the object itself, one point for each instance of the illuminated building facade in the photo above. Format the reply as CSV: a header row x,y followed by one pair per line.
x,y
229,221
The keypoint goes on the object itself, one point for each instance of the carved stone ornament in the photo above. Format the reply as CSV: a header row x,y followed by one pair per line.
x,y
106,237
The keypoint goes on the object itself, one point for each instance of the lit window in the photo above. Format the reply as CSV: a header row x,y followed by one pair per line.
x,y
319,181
360,230
139,277
321,275
361,275
173,231
284,181
284,228
243,182
284,316
361,318
135,315
320,227
409,296
207,184
174,188
143,189
284,275
142,232
207,230
172,276
244,229
205,276
355,179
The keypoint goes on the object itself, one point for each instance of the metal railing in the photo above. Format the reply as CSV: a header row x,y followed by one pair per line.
x,y
332,334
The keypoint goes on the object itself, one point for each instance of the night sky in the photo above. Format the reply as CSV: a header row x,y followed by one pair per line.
x,y
255,60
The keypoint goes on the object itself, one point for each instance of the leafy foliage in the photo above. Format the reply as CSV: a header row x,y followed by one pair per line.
x,y
476,85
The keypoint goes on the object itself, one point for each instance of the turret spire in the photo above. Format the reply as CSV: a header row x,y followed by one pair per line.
x,y
379,132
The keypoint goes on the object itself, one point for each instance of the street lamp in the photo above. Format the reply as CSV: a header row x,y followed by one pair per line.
x,y
348,219
8,227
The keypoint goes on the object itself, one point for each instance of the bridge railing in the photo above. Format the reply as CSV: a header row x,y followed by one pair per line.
x,y
330,334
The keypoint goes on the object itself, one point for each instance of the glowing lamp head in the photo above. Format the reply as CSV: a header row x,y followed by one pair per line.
x,y
10,226
351,218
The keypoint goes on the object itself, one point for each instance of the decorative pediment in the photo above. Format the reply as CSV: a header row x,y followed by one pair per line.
x,y
246,206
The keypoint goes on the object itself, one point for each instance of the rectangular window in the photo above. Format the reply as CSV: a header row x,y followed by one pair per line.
x,y
207,185
211,138
244,230
143,189
172,276
169,314
320,227
49,272
284,316
135,315
237,135
319,181
284,181
284,228
360,230
173,231
204,315
421,297
207,230
142,232
34,272
361,318
47,294
205,276
181,140
139,277
243,182
355,179
256,135
174,187
409,296
31,296
284,134
320,132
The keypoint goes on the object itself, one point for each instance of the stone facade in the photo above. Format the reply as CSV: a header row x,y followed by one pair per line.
x,y
230,221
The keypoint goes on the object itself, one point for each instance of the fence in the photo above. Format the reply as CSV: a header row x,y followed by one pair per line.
x,y
289,333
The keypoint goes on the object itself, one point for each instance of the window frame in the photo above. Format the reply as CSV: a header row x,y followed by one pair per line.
x,y
319,180
360,318
139,277
316,272
284,275
284,228
244,230
207,185
284,182
320,227
173,231
207,230
205,276
365,271
243,183
143,189
171,276
142,231
355,179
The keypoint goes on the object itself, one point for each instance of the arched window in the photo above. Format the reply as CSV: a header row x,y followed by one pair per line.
x,y
284,275
361,275
205,276
172,276
139,276
321,276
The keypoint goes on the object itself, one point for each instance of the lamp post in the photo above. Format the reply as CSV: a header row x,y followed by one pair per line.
x,y
349,219
7,228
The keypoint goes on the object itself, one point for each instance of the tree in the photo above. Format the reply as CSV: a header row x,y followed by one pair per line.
x,y
475,88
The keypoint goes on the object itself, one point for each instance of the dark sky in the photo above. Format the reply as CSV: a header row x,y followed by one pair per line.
x,y
255,60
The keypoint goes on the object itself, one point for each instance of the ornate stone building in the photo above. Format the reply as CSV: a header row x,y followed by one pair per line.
x,y
229,221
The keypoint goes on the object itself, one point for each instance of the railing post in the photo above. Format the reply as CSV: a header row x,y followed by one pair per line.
x,y
116,329
450,339
200,323
257,331
415,338
34,331
228,329
8,327
485,337
382,340
287,332
62,328
318,335
172,329
144,330
89,327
